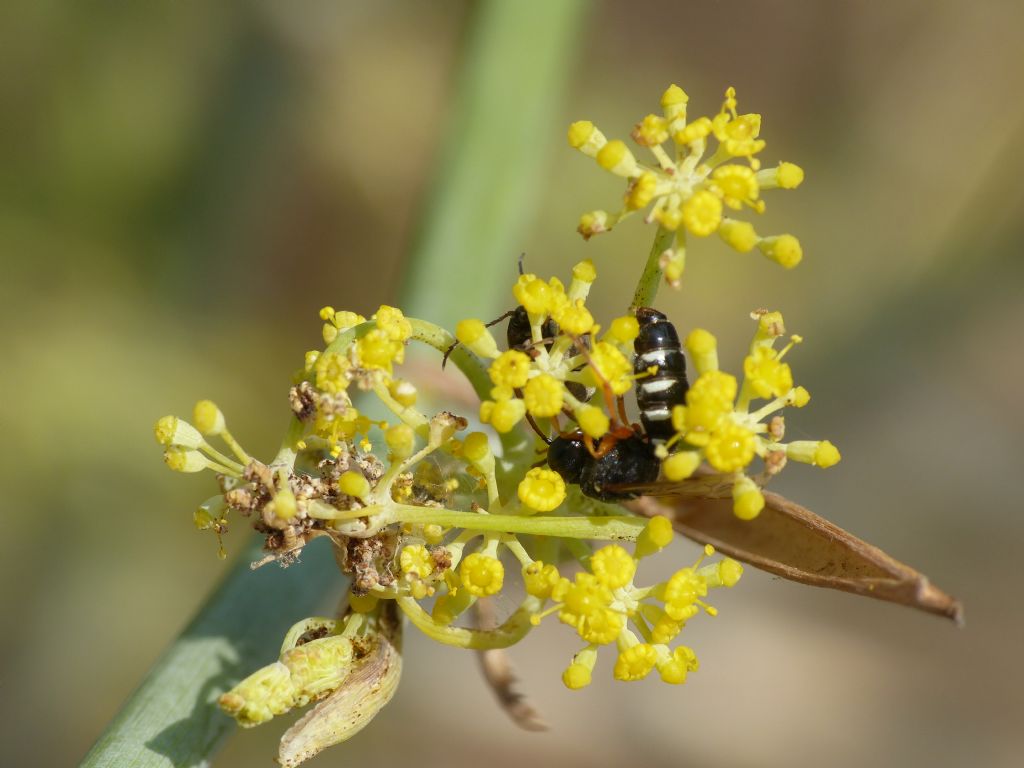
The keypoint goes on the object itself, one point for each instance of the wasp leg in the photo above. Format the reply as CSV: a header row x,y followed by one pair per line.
x,y
621,402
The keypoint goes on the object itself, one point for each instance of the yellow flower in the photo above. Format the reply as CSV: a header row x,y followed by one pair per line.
x,y
784,250
170,430
657,535
768,375
543,396
737,134
377,350
683,190
594,223
703,349
748,501
393,323
681,465
636,662
578,674
353,483
641,191
540,579
737,186
208,417
474,334
586,138
586,606
623,330
608,364
331,371
738,235
574,318
730,448
584,273
401,440
682,591
502,414
403,391
541,489
535,295
702,213
616,157
481,575
613,566
510,369
181,459
651,131
719,427
416,559
593,421
820,453
337,322
674,668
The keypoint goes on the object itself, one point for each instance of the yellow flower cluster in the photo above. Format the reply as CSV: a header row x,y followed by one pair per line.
x,y
602,602
393,498
549,374
683,191
717,425
368,362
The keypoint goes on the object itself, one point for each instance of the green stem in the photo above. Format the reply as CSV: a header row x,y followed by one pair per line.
x,y
650,280
472,367
495,160
598,527
289,445
433,336
511,632
172,718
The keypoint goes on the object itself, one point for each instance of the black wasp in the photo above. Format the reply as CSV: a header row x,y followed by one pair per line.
x,y
626,456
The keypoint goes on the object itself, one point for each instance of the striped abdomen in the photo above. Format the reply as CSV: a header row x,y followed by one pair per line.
x,y
658,346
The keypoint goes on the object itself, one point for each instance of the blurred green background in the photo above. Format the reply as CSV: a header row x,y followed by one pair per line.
x,y
184,185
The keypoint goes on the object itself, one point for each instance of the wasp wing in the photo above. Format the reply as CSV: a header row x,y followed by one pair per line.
x,y
704,485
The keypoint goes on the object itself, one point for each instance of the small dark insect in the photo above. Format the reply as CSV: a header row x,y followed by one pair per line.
x,y
624,459
658,346
629,461
518,334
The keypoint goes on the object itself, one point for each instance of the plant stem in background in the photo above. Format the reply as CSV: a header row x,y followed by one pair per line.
x,y
517,58
490,171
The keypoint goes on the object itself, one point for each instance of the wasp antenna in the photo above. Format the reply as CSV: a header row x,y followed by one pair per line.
x,y
497,320
537,429
447,353
534,344
522,258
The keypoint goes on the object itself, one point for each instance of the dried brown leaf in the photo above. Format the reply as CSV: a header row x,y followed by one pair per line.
x,y
791,541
